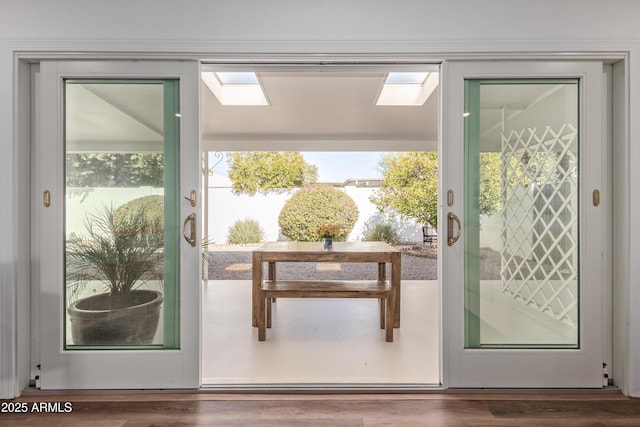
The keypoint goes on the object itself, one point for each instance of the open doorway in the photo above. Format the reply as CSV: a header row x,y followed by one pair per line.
x,y
346,126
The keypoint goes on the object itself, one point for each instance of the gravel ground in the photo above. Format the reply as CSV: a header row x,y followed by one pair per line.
x,y
419,262
234,263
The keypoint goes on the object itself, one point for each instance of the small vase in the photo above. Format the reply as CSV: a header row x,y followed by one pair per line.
x,y
328,243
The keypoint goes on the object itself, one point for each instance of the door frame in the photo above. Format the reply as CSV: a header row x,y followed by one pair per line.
x,y
16,56
346,67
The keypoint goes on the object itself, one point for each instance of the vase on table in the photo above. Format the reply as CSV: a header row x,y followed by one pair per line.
x,y
328,243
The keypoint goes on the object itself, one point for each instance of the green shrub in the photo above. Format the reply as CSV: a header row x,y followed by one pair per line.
x,y
151,206
380,232
245,231
315,206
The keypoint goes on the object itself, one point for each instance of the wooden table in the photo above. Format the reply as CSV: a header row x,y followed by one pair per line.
x,y
360,252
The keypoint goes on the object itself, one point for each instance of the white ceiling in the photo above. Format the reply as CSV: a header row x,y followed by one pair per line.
x,y
114,117
308,111
319,111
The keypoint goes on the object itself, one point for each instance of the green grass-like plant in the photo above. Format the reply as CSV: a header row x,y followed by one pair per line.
x,y
121,250
381,232
245,231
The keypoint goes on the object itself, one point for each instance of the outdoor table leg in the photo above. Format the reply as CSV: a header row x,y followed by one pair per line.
x,y
396,269
382,272
262,333
256,275
382,276
269,312
272,271
391,306
272,278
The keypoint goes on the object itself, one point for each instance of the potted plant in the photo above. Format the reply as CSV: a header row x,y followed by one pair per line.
x,y
122,249
328,232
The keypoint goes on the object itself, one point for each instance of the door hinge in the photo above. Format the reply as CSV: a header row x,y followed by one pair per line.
x,y
605,375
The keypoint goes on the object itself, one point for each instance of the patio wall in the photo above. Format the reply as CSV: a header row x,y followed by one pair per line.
x,y
82,201
225,208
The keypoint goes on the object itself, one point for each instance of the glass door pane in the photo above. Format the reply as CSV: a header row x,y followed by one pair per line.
x,y
521,210
121,145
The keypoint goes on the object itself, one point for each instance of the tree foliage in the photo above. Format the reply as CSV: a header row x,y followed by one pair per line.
x,y
490,183
269,171
315,206
115,169
410,185
540,168
152,206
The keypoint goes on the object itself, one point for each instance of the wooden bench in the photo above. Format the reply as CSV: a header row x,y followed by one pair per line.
x,y
381,290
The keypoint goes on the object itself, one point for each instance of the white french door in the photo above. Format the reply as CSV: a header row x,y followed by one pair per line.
x,y
522,262
117,185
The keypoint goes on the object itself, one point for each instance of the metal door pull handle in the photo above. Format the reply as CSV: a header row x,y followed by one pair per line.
x,y
450,238
191,238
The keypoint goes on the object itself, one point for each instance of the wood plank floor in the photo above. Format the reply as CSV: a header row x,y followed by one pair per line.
x,y
212,409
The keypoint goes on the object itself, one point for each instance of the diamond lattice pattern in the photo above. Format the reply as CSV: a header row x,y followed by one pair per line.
x,y
539,257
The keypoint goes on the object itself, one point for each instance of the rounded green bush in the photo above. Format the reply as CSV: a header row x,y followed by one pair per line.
x,y
152,206
314,206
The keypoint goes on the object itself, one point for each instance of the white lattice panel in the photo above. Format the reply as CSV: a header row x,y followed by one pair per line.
x,y
539,257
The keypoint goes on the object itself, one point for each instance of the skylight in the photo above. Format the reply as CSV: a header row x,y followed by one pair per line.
x,y
227,77
406,78
235,88
408,88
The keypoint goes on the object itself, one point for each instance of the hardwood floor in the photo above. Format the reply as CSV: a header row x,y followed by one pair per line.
x,y
211,409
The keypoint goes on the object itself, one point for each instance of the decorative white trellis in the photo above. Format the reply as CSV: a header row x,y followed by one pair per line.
x,y
539,256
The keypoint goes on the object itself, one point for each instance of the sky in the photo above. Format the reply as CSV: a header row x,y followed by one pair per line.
x,y
332,166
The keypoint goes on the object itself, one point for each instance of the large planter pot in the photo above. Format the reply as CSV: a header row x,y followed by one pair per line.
x,y
95,322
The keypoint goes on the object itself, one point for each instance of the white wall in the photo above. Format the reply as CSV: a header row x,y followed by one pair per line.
x,y
302,20
84,201
253,28
225,208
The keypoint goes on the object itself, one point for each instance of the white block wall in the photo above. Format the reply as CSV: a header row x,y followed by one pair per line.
x,y
225,208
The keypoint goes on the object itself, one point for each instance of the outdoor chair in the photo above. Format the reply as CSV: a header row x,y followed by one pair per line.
x,y
429,235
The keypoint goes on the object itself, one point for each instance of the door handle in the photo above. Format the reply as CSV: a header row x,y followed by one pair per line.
x,y
450,238
191,238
